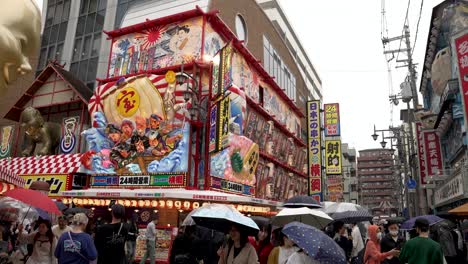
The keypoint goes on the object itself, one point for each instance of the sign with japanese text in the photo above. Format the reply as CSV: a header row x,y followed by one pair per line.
x,y
225,74
105,181
221,184
333,156
421,154
332,119
7,137
215,76
134,180
213,128
335,188
57,183
450,190
168,180
433,153
461,47
223,124
127,101
314,147
70,130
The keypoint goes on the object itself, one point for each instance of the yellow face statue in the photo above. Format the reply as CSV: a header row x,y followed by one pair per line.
x,y
20,31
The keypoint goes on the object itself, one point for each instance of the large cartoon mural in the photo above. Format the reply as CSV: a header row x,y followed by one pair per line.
x,y
156,47
139,126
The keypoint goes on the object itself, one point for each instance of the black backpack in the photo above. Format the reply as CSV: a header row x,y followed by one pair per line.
x,y
116,241
359,259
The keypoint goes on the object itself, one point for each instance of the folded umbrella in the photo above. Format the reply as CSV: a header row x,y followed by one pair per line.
x,y
34,198
304,215
221,217
409,224
316,244
302,201
349,217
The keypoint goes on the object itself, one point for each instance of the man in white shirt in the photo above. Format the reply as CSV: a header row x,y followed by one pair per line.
x,y
61,227
151,241
358,244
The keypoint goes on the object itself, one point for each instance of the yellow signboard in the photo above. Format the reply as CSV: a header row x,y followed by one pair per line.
x,y
333,156
58,183
128,101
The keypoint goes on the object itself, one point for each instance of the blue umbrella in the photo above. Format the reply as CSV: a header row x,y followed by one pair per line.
x,y
315,243
61,206
409,224
221,217
43,214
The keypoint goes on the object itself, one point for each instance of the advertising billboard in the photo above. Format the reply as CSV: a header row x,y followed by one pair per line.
x,y
331,119
333,156
58,183
314,149
421,153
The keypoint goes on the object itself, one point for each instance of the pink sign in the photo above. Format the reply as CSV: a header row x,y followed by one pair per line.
x,y
433,155
461,46
421,153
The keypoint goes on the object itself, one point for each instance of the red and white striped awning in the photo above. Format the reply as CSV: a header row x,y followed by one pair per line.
x,y
6,187
10,177
54,164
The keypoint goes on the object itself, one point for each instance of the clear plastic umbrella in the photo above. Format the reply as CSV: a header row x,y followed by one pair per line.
x,y
342,207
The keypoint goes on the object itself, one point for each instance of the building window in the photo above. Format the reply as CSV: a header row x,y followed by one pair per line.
x,y
122,7
55,30
275,66
88,41
241,28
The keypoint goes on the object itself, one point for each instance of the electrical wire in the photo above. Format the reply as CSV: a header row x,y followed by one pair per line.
x,y
405,23
417,26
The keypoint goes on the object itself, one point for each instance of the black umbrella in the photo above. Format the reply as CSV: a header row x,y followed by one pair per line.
x,y
76,210
61,206
349,217
302,201
260,220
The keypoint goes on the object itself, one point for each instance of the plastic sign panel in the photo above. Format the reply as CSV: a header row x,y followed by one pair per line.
x,y
134,180
6,140
461,47
57,183
70,128
433,153
332,119
333,156
223,122
314,148
421,154
213,128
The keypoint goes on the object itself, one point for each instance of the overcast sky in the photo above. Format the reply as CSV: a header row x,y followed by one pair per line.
x,y
343,40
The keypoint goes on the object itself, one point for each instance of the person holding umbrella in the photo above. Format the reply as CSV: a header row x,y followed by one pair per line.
x,y
238,250
372,254
43,242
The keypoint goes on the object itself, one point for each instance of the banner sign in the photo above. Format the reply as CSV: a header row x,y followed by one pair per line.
x,y
234,187
57,183
215,76
332,119
450,190
70,128
333,156
335,188
134,180
223,123
213,128
225,68
461,47
105,181
314,148
168,180
421,154
433,153
7,137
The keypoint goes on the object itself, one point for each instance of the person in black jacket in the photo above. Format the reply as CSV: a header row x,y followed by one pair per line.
x,y
131,238
341,238
392,240
185,248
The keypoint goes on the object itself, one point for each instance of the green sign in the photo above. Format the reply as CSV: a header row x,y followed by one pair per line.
x,y
168,180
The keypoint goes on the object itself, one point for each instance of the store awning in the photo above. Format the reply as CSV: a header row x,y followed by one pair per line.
x,y
199,195
6,187
54,164
460,210
10,177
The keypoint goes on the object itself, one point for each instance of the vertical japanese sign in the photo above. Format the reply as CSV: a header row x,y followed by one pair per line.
x,y
223,124
213,126
332,119
7,137
433,153
215,76
314,149
70,128
333,156
461,46
225,74
421,154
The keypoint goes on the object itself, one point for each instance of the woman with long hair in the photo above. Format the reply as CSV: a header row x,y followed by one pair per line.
x,y
281,253
43,243
263,244
238,250
76,246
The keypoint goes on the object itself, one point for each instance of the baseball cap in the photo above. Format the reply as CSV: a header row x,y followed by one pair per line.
x,y
421,222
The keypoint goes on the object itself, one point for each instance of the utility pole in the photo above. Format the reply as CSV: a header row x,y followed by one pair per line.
x,y
413,157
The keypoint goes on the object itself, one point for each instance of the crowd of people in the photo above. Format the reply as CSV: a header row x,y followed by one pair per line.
x,y
72,240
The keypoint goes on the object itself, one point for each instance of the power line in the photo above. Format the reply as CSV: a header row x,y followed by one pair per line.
x,y
417,27
404,24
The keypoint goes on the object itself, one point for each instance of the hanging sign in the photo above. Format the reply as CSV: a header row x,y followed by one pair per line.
x,y
70,128
461,47
433,153
7,137
333,156
213,128
332,119
225,74
421,154
314,145
223,123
